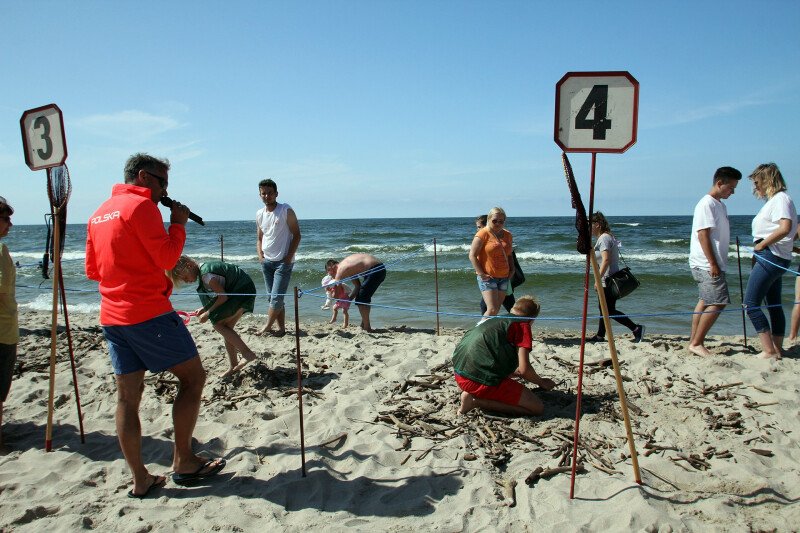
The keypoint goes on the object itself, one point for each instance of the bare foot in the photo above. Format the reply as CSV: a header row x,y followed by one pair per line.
x,y
700,350
765,355
247,357
467,403
263,331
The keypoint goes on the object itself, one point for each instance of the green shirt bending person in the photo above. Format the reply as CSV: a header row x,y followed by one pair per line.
x,y
493,352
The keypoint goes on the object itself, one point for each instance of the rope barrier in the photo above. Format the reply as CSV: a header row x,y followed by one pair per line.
x,y
452,314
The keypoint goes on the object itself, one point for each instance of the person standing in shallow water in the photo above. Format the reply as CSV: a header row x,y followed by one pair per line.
x,y
277,239
9,325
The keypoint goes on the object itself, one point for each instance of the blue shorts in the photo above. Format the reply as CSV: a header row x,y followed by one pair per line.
x,y
371,283
156,345
276,278
493,284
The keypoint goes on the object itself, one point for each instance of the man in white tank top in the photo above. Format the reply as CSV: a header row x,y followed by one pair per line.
x,y
278,236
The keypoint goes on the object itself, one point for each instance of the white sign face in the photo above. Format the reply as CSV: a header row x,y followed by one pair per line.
x,y
43,137
596,111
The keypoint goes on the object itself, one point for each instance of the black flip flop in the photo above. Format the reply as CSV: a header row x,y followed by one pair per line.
x,y
158,481
198,475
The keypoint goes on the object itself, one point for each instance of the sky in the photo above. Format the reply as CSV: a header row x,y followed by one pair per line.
x,y
365,109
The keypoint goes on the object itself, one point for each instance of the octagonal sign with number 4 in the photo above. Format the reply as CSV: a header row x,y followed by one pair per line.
x,y
596,111
43,137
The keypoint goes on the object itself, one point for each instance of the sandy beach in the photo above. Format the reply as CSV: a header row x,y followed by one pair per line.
x,y
717,439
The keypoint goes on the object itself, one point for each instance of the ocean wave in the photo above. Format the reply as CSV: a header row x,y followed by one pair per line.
x,y
447,247
632,224
44,302
673,241
384,248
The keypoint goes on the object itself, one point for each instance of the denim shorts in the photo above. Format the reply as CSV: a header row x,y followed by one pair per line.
x,y
156,345
713,291
493,284
277,275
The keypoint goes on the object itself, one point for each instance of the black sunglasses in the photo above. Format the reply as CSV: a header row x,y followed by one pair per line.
x,y
163,182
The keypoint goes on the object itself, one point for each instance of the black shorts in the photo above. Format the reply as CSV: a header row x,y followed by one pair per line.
x,y
371,283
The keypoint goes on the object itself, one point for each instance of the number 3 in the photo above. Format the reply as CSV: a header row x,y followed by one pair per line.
x,y
597,99
48,143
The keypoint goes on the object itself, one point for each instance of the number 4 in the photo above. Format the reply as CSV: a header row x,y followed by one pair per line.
x,y
597,100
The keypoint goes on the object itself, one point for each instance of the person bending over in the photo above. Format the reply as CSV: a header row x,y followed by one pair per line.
x,y
493,352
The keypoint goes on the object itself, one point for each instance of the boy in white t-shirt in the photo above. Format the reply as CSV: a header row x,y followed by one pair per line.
x,y
708,255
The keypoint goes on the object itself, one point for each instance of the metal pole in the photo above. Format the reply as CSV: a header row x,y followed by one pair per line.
x,y
221,247
741,291
299,381
583,342
436,282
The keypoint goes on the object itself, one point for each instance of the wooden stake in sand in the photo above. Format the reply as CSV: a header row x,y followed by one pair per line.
x,y
299,380
48,439
620,388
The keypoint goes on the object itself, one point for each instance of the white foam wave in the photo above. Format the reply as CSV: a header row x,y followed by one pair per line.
x,y
632,224
44,302
383,247
447,247
672,241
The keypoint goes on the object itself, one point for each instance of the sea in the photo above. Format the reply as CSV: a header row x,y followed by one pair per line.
x,y
426,289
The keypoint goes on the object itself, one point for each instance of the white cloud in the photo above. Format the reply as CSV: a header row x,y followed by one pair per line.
x,y
127,125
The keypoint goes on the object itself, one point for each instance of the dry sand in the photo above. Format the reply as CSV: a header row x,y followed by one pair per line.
x,y
440,472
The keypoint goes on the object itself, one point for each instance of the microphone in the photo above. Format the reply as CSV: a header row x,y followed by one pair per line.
x,y
166,201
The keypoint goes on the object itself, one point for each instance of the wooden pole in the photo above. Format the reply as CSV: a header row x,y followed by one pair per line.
x,y
48,442
221,247
436,282
620,389
299,381
741,291
71,353
579,388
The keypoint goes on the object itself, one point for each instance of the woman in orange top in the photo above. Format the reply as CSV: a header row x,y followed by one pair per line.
x,y
490,255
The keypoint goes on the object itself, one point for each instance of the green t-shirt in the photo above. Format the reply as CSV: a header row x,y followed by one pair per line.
x,y
484,355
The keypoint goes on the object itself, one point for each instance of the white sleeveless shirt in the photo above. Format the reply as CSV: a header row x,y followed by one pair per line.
x,y
275,229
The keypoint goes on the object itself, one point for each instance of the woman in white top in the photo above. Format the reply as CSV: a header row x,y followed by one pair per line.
x,y
773,230
607,252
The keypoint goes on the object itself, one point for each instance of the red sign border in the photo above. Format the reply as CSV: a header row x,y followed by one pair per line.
x,y
635,130
25,137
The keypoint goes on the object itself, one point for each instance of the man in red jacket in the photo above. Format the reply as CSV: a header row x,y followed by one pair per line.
x,y
127,251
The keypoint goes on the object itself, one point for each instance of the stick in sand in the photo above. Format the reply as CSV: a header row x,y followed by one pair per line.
x,y
615,362
299,381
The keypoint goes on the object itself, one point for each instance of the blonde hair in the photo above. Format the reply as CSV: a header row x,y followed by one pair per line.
x,y
527,306
183,263
770,179
493,211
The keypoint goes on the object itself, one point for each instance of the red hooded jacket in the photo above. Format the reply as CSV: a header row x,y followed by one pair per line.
x,y
127,251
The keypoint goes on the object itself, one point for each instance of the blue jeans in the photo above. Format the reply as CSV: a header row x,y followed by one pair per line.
x,y
765,285
276,277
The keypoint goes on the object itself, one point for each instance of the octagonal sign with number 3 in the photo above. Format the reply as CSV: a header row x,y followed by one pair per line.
x,y
596,111
43,137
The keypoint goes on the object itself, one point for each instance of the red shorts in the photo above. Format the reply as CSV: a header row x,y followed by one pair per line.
x,y
508,391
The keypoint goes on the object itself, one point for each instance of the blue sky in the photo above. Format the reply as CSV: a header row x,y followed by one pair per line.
x,y
365,109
